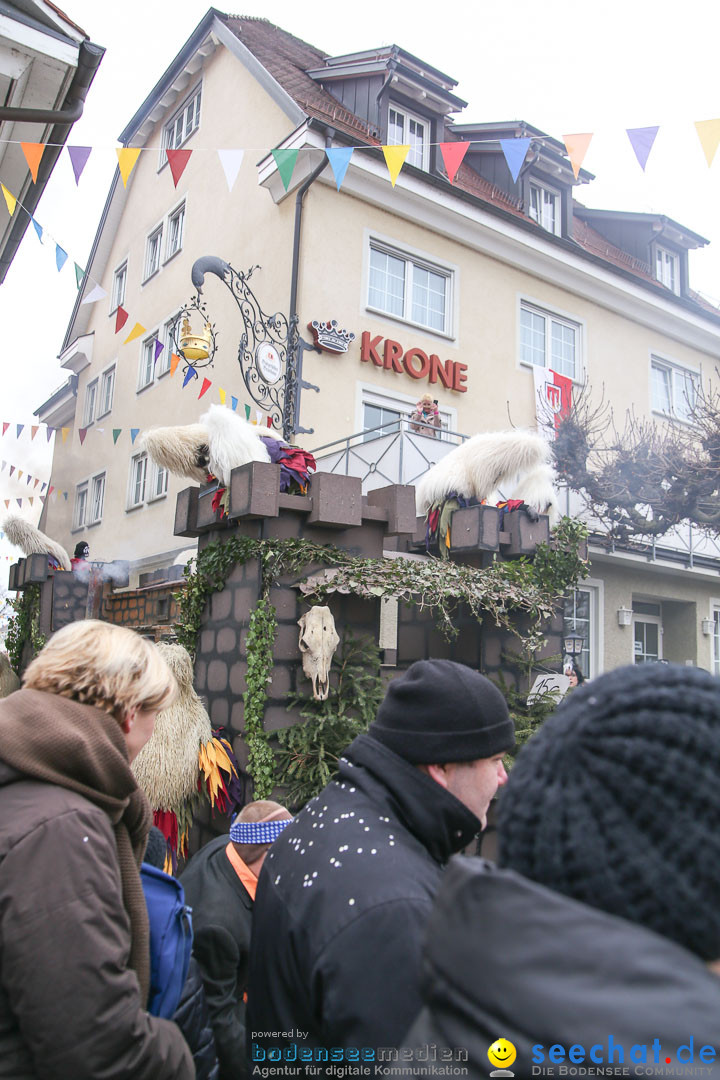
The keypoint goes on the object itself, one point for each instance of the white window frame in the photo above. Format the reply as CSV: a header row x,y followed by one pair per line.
x,y
678,373
80,507
163,363
526,303
147,362
595,588
159,478
667,268
134,503
91,402
413,258
153,265
169,136
117,296
543,191
97,481
179,209
410,117
109,374
371,394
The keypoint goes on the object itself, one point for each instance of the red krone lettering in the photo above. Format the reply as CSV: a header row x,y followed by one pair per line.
x,y
410,356
368,348
393,353
437,369
460,378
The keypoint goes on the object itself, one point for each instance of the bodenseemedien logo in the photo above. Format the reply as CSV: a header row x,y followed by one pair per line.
x,y
500,1054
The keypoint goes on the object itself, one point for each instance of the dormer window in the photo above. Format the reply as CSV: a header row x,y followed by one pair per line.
x,y
545,208
667,269
405,129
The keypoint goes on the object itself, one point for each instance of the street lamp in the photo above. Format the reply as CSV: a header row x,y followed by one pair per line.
x,y
573,644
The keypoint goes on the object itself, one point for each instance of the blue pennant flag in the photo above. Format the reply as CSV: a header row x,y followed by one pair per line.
x,y
234,403
38,229
189,374
60,257
134,432
339,159
515,151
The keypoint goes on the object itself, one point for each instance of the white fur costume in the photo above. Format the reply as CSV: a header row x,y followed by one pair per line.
x,y
33,542
219,443
494,466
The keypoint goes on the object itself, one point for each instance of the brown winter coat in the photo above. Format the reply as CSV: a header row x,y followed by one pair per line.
x,y
70,1004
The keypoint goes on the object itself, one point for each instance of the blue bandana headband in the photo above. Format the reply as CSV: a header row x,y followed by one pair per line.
x,y
257,832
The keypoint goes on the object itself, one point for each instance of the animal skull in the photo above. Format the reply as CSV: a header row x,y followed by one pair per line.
x,y
318,642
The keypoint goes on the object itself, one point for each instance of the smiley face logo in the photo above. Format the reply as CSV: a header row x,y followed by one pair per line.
x,y
502,1053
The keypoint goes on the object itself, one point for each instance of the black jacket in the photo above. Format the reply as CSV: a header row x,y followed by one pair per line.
x,y
509,959
222,922
342,903
193,1019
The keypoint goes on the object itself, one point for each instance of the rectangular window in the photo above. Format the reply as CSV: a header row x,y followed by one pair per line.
x,y
184,122
119,282
80,514
550,341
673,389
379,420
545,208
147,362
138,476
97,498
409,289
107,390
386,414
159,483
577,620
163,360
404,129
667,269
176,226
90,402
152,252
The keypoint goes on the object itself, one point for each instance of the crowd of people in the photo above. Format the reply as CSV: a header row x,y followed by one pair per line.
x,y
365,930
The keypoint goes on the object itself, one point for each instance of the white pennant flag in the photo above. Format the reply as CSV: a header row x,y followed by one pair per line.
x,y
231,160
96,294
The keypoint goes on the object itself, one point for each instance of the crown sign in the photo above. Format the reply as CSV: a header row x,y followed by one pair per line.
x,y
327,336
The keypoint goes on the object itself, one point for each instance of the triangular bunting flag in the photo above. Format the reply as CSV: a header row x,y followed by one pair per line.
x,y
395,159
452,155
641,140
134,432
221,395
127,158
65,496
79,275
120,319
158,347
42,499
9,199
231,160
49,433
95,294
708,134
188,375
233,403
38,229
285,161
269,421
37,481
78,159
28,478
43,487
258,417
577,148
33,152
339,158
50,490
64,432
19,428
137,331
515,151
19,502
177,160
7,504
247,412
6,425
82,432
12,469
205,387
34,428
60,257
31,499
20,472
116,435
174,361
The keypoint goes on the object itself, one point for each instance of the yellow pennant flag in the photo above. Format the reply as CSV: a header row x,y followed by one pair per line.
x,y
709,136
126,160
20,472
137,331
174,361
395,159
9,199
33,152
577,148
222,394
65,432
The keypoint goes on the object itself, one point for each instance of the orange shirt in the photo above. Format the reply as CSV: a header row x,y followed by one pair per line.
x,y
243,872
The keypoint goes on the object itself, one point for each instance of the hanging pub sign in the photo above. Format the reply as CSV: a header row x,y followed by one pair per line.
x,y
327,336
268,362
413,362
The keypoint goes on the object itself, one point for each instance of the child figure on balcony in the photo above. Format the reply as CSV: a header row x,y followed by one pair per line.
x,y
426,417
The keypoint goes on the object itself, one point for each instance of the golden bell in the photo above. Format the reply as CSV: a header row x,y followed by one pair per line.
x,y
195,346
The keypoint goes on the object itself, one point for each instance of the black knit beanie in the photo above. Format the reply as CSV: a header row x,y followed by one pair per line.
x,y
439,711
616,802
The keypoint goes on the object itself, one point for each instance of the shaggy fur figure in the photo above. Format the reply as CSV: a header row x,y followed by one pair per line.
x,y
494,466
33,542
167,766
9,681
219,443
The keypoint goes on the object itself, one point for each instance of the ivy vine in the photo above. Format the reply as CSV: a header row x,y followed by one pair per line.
x,y
260,645
24,627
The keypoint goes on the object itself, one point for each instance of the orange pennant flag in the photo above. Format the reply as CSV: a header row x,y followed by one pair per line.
x,y
395,159
33,152
174,361
33,431
65,432
577,148
127,158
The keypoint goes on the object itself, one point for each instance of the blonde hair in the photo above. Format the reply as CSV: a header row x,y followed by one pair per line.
x,y
110,667
260,810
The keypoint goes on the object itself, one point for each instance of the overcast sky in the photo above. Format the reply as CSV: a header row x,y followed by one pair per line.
x,y
565,66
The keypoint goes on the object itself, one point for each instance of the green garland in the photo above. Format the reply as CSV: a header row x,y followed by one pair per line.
x,y
260,643
24,627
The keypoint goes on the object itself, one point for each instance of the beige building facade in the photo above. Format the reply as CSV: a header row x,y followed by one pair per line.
x,y
454,289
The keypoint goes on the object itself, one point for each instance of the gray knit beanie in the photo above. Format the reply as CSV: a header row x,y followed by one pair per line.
x,y
616,801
